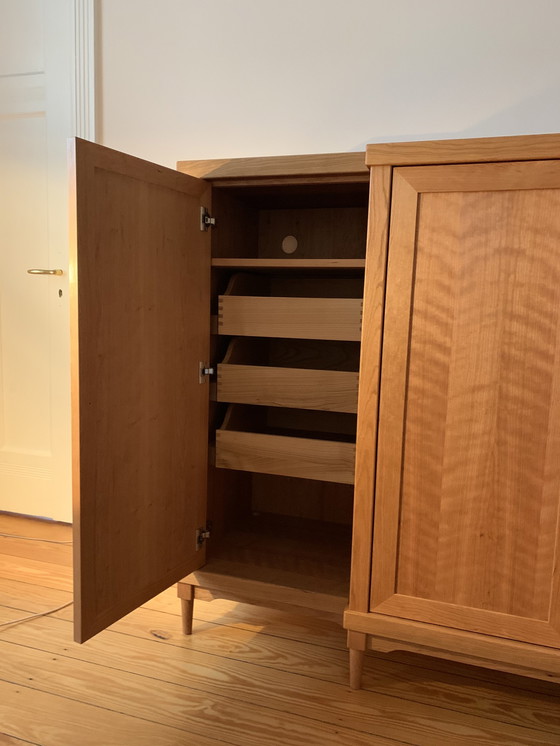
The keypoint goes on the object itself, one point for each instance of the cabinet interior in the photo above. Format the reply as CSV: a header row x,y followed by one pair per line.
x,y
309,354
328,221
286,351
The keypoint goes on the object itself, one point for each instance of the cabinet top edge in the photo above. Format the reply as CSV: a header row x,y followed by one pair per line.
x,y
469,150
276,166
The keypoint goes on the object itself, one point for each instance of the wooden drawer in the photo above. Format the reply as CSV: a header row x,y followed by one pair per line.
x,y
300,308
285,373
301,444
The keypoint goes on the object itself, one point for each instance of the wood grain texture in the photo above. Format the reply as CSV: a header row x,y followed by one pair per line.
x,y
321,233
188,675
316,183
50,575
292,674
250,595
130,705
462,616
309,458
400,267
59,554
54,720
302,498
389,646
140,296
332,390
291,561
320,646
6,740
490,473
482,650
278,166
273,595
467,520
293,318
308,644
177,701
477,177
368,392
471,150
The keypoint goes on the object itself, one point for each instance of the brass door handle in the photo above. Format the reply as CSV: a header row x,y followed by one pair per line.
x,y
45,272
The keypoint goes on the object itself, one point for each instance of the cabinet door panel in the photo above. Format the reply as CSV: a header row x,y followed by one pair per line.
x,y
140,309
467,494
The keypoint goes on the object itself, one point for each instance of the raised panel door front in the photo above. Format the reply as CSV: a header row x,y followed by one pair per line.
x,y
468,476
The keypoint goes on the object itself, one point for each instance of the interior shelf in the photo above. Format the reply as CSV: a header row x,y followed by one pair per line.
x,y
308,559
288,442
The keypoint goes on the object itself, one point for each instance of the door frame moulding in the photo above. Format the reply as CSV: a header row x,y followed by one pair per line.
x,y
85,17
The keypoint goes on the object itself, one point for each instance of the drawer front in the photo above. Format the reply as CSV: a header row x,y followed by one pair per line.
x,y
293,318
324,460
331,390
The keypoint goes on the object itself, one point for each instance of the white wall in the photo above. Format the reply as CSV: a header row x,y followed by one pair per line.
x,y
216,78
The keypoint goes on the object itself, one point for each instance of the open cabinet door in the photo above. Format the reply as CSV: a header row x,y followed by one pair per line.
x,y
140,280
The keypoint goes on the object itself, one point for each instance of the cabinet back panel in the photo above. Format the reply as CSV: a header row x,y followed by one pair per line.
x,y
310,354
294,286
321,233
316,287
302,498
340,424
272,557
253,222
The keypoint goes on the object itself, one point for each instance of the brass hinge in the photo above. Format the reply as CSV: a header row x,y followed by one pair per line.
x,y
206,220
202,534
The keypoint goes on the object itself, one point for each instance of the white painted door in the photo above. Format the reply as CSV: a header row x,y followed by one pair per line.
x,y
36,117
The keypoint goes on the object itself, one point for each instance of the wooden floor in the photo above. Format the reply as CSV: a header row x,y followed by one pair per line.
x,y
247,676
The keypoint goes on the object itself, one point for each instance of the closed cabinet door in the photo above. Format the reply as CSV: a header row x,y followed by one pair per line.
x,y
140,281
468,473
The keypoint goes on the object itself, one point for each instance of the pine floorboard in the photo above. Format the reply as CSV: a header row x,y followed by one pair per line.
x,y
247,676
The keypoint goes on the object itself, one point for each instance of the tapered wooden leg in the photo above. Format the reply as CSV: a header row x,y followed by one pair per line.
x,y
187,609
356,668
185,591
357,647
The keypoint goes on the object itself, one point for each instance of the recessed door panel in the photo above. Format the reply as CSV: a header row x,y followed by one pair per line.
x,y
469,438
